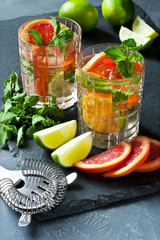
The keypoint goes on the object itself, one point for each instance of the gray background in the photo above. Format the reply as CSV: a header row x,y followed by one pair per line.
x,y
131,220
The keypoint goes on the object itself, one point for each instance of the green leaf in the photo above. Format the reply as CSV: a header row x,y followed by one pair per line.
x,y
37,37
7,118
6,132
27,68
48,122
56,26
7,105
124,56
115,53
12,86
33,129
20,97
36,119
20,135
31,101
135,56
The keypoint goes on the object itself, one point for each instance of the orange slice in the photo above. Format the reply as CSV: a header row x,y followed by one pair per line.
x,y
140,149
152,163
106,160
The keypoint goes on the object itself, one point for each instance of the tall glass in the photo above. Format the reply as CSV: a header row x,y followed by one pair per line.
x,y
108,108
49,71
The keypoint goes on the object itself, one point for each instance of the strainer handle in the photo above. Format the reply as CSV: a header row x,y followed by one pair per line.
x,y
24,220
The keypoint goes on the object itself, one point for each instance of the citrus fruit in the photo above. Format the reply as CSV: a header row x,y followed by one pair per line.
x,y
139,26
106,160
53,137
43,26
153,161
126,33
82,12
118,12
140,148
75,150
94,61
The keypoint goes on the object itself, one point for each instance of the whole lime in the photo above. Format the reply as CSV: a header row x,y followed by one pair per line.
x,y
82,12
118,12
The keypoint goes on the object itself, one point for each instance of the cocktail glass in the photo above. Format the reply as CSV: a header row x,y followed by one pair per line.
x,y
108,108
49,71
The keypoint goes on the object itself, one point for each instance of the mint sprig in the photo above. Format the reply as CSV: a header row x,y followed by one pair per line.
x,y
124,56
37,37
20,117
62,35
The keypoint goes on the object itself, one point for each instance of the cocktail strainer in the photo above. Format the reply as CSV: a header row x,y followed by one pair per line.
x,y
37,187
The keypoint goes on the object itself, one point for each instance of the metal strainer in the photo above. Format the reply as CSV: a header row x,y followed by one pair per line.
x,y
37,187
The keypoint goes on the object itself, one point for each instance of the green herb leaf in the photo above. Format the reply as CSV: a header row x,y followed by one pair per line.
x,y
56,26
37,37
36,119
19,98
115,53
31,101
124,56
20,135
6,132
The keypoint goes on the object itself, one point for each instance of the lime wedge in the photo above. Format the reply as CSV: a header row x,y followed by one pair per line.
x,y
73,151
53,137
139,26
126,33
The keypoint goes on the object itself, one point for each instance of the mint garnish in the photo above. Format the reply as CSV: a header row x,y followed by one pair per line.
x,y
61,36
20,117
124,56
37,37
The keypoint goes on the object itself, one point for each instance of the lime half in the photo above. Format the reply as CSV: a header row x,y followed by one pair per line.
x,y
139,26
126,33
53,137
73,151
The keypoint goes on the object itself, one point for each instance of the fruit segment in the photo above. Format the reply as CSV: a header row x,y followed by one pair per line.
x,y
152,163
140,149
106,160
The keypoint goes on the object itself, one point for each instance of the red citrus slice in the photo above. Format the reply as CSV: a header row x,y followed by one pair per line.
x,y
106,160
140,149
152,163
43,26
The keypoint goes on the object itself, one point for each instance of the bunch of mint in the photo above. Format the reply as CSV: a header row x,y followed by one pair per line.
x,y
61,36
20,117
124,55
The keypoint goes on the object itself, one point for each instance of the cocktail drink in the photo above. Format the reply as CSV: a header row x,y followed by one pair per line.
x,y
108,103
48,48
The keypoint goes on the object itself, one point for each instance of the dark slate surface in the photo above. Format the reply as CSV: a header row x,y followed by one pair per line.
x,y
89,192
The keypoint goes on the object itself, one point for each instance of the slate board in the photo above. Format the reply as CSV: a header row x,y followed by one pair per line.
x,y
89,191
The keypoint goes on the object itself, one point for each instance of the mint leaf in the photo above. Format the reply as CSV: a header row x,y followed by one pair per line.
x,y
37,37
6,132
7,118
36,119
124,56
115,53
31,101
19,98
20,135
56,26
61,36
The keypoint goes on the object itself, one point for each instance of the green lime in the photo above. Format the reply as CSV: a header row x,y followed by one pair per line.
x,y
73,151
139,26
82,12
53,137
118,12
126,33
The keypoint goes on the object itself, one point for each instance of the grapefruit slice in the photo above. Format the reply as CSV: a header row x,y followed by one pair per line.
x,y
94,61
106,160
153,161
140,149
43,26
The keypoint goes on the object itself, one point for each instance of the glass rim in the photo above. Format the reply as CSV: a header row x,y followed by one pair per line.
x,y
100,78
49,17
